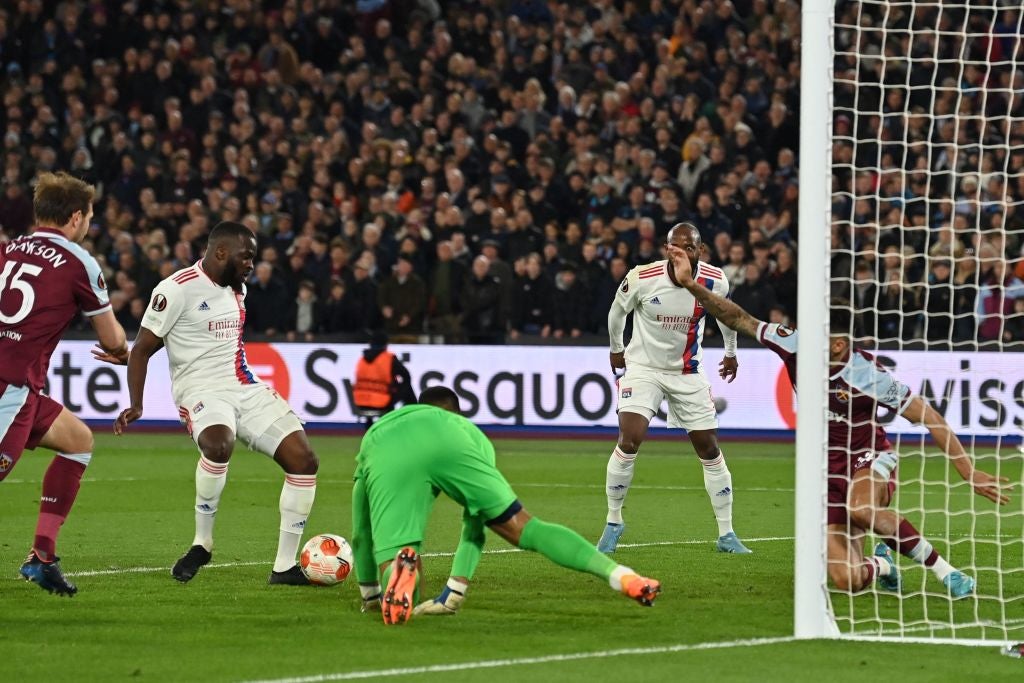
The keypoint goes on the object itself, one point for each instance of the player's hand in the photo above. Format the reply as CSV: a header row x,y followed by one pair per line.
x,y
681,265
127,416
728,368
991,487
118,358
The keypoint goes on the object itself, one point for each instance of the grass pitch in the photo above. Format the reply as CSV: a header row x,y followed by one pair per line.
x,y
524,617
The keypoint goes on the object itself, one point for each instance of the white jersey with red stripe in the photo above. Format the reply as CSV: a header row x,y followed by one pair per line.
x,y
201,325
668,321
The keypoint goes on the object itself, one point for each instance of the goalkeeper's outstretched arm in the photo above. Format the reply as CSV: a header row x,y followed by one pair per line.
x,y
921,412
726,312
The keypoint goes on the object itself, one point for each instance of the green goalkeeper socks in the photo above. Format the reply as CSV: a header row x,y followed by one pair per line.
x,y
565,547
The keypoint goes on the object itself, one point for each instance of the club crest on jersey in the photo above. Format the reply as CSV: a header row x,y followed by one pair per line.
x,y
159,302
627,392
656,301
6,462
842,395
864,460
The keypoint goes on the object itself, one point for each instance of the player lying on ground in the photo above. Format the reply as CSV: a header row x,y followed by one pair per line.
x,y
46,280
198,314
862,463
409,456
663,361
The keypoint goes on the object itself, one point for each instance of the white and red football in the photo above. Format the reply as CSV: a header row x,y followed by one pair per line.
x,y
326,559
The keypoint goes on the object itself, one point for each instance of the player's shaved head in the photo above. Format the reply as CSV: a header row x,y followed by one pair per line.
x,y
442,397
680,229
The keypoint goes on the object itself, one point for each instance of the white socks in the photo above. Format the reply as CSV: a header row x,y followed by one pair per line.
x,y
619,477
296,501
920,554
210,479
718,484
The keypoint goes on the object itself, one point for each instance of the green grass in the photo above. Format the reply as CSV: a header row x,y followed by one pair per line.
x,y
134,511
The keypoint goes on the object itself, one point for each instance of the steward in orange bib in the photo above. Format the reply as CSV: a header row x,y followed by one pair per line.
x,y
381,381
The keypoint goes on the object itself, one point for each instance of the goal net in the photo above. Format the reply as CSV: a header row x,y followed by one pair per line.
x,y
924,107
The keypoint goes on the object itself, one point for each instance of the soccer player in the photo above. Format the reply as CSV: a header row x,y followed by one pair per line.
x,y
46,279
861,460
410,456
663,360
198,314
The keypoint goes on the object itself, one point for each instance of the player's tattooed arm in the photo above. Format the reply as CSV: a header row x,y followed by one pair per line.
x,y
725,311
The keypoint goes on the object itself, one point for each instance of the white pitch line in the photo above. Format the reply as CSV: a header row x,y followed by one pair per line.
x,y
522,661
498,551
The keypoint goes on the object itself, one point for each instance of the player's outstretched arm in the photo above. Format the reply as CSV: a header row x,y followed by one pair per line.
x,y
113,343
921,412
146,344
725,311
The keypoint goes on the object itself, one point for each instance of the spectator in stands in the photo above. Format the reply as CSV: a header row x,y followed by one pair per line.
x,y
571,305
306,313
754,293
402,299
532,304
482,303
267,303
341,311
446,280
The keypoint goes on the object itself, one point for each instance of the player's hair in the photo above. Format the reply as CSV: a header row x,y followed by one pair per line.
x,y
840,323
686,226
442,397
227,230
58,196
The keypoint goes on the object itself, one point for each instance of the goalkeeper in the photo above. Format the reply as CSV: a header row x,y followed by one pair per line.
x,y
861,461
405,460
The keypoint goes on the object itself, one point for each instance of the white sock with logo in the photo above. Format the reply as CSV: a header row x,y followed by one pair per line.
x,y
617,480
210,480
297,496
718,484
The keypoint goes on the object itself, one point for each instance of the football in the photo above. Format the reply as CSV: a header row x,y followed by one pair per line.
x,y
326,559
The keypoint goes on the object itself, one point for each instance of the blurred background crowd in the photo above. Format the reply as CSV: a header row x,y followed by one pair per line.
x,y
480,171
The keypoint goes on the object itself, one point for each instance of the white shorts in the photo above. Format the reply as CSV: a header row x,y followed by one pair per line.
x,y
255,413
690,403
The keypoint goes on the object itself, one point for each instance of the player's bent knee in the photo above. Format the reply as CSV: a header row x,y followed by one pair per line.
x,y
862,516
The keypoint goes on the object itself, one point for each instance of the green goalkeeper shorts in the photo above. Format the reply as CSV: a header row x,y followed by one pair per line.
x,y
412,454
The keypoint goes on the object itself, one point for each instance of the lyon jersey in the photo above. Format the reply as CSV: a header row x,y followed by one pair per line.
x,y
201,325
668,321
45,280
856,390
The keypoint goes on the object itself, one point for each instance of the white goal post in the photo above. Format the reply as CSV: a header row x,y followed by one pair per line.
x,y
909,210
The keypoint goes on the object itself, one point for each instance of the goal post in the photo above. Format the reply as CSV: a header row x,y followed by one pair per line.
x,y
912,211
812,617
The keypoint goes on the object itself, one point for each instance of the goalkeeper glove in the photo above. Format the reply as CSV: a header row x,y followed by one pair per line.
x,y
448,602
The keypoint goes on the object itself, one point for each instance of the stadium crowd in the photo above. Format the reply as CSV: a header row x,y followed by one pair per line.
x,y
482,170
